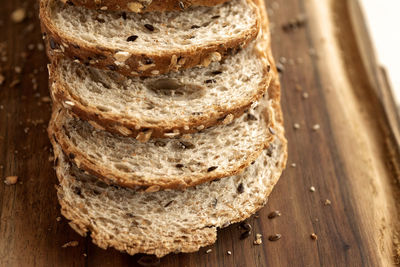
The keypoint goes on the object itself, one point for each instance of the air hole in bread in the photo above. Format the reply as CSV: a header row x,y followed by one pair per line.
x,y
103,109
122,167
173,88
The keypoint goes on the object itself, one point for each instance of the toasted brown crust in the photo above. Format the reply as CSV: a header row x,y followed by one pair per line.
x,y
103,57
132,126
141,6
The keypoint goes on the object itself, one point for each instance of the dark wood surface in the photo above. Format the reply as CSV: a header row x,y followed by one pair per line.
x,y
352,160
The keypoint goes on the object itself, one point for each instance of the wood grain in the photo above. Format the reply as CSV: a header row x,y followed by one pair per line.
x,y
352,160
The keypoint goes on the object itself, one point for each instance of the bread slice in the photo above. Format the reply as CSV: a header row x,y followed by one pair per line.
x,y
143,5
171,220
180,102
214,153
166,221
147,44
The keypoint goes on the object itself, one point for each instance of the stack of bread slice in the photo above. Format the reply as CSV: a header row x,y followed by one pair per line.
x,y
166,119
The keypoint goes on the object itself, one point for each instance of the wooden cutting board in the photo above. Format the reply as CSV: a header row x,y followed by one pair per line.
x,y
330,78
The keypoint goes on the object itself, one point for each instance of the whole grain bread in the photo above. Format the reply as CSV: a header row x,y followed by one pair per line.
x,y
180,102
143,5
155,164
148,44
171,220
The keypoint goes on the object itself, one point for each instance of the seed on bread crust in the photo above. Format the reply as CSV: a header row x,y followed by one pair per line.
x,y
121,56
134,6
153,188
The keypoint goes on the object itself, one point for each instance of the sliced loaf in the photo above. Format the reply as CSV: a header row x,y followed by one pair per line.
x,y
214,153
166,221
180,102
147,44
143,5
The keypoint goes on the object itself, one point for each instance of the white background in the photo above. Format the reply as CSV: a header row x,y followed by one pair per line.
x,y
383,19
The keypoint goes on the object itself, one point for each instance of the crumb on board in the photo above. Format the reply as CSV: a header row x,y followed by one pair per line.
x,y
314,236
18,15
70,244
258,240
327,202
312,189
10,180
208,251
316,127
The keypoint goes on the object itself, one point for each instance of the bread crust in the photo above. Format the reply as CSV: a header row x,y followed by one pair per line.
x,y
142,6
103,57
134,125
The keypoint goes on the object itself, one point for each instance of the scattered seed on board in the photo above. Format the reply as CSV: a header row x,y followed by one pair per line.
x,y
70,244
246,226
274,214
283,60
274,237
10,180
293,165
208,250
280,67
314,236
316,127
312,189
296,126
229,252
245,235
18,15
305,95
